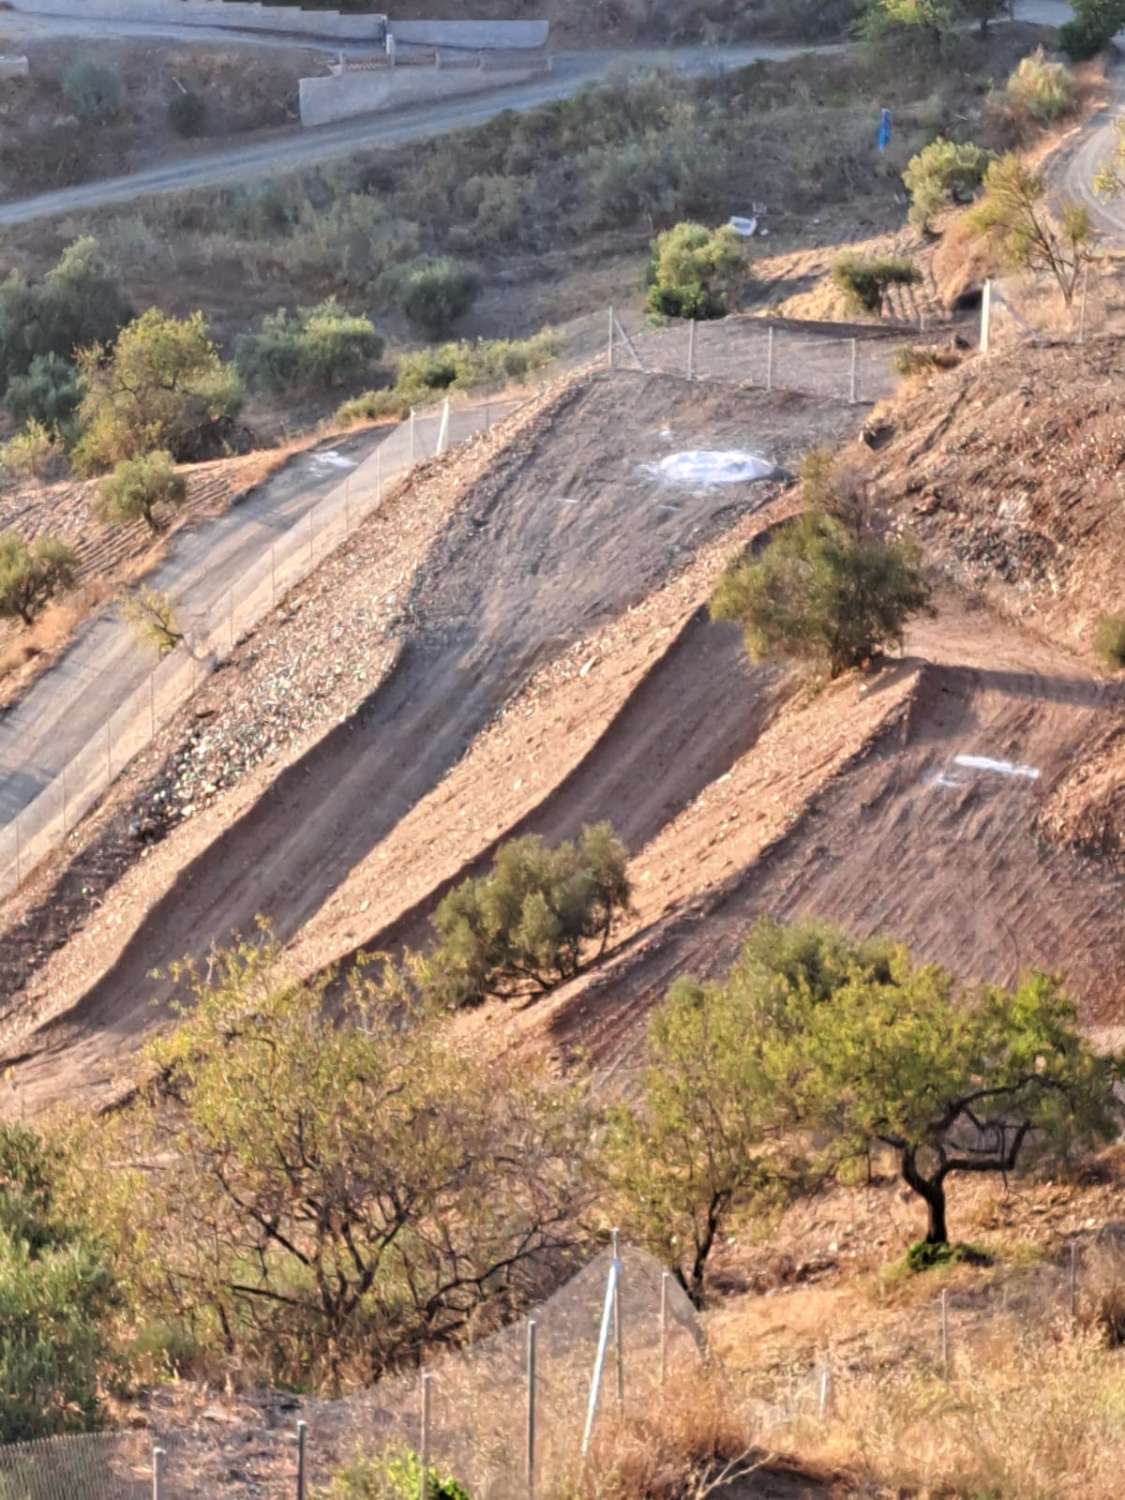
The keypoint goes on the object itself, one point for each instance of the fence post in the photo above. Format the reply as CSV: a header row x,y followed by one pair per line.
x,y
612,330
769,360
532,1330
230,616
379,474
665,1278
986,316
424,1482
152,705
19,854
825,1404
413,436
617,1333
158,1474
1082,308
108,754
854,372
302,1428
945,1334
691,350
63,781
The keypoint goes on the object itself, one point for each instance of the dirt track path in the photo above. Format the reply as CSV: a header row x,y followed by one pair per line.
x,y
942,854
566,532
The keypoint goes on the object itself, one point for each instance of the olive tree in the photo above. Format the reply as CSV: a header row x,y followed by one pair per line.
x,y
138,487
943,172
32,573
1014,217
822,594
538,918
327,1190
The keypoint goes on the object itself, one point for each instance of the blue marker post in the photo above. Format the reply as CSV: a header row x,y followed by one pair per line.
x,y
884,139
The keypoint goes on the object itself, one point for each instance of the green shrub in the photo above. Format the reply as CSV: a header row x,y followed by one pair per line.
x,y
695,271
438,293
538,918
94,93
151,617
35,451
1095,24
187,114
1109,641
821,594
48,394
396,1475
138,487
1044,89
943,172
32,574
317,346
55,1296
922,1256
77,303
865,283
162,387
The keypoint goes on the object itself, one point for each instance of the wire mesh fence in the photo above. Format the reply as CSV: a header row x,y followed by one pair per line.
x,y
505,1416
741,351
213,633
1042,309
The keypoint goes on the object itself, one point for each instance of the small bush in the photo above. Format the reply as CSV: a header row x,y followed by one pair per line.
x,y
77,303
318,346
820,593
924,1256
437,293
1095,24
138,487
944,172
187,114
34,451
1044,89
48,394
694,271
531,922
30,575
94,93
390,1476
914,360
1109,641
151,617
865,283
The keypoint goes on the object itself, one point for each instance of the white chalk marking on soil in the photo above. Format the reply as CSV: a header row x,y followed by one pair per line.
x,y
333,460
702,466
1001,767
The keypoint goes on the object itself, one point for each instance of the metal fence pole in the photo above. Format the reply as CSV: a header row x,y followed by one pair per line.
x,y
664,1280
424,1482
302,1428
769,360
532,1330
310,538
1082,307
379,474
854,382
19,855
986,316
158,1474
230,615
62,779
612,329
691,350
273,574
413,436
617,1332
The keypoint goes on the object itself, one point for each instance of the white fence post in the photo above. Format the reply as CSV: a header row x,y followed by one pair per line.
x,y
443,427
825,1402
532,1330
691,350
854,382
158,1474
617,1332
1082,307
413,435
302,1428
612,328
608,1307
1074,1280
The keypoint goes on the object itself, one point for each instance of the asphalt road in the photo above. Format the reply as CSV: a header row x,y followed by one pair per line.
x,y
290,150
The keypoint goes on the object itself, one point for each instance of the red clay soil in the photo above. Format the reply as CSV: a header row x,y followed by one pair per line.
x,y
567,529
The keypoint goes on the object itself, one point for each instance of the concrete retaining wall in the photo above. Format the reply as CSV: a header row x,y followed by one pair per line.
x,y
218,13
365,93
13,67
474,35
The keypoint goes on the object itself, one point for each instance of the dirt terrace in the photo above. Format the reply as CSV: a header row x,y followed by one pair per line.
x,y
567,527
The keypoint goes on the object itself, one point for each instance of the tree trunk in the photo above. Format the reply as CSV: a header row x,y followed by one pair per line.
x,y
932,1192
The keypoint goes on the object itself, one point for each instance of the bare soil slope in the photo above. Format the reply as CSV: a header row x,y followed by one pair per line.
x,y
569,526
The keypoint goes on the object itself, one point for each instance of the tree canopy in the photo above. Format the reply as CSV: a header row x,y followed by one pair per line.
x,y
31,573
